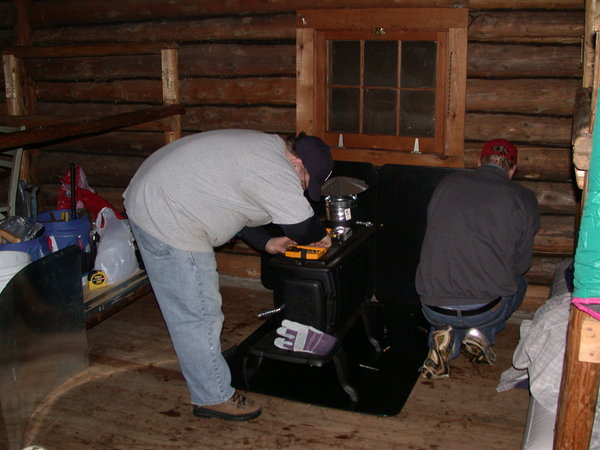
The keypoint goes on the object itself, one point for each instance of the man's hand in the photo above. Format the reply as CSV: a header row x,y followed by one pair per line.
x,y
325,242
278,244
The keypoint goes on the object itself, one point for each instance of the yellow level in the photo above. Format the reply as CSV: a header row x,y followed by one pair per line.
x,y
305,252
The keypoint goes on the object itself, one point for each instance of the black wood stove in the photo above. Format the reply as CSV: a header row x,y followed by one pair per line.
x,y
362,292
329,294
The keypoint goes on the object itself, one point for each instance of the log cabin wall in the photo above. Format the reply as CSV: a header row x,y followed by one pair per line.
x,y
237,70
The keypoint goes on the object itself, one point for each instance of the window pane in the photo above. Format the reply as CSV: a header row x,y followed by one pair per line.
x,y
380,111
381,63
344,110
418,64
417,113
344,64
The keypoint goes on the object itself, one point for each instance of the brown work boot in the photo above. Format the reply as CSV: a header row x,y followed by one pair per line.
x,y
477,347
437,364
238,407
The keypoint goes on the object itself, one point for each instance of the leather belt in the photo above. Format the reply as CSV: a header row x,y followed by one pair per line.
x,y
466,312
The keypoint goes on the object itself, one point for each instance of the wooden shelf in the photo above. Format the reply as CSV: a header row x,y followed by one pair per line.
x,y
70,130
69,51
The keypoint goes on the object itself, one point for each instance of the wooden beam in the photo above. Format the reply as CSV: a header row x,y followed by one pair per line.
x,y
257,27
582,134
392,19
578,392
555,27
170,89
13,87
22,28
68,51
87,127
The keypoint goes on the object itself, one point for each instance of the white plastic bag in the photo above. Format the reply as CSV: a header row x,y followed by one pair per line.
x,y
116,253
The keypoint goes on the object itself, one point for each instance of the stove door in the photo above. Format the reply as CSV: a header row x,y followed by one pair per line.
x,y
303,301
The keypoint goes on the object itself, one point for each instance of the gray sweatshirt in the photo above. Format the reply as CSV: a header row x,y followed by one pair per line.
x,y
478,240
199,191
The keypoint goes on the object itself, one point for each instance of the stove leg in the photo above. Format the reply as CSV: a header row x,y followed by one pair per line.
x,y
374,342
341,368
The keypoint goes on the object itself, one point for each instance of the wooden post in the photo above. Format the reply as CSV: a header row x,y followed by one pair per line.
x,y
581,374
15,103
12,81
305,80
170,86
22,28
578,391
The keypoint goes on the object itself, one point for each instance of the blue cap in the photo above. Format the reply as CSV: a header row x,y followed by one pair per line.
x,y
316,158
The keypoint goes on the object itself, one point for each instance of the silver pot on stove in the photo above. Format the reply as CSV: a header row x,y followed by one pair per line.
x,y
341,198
340,210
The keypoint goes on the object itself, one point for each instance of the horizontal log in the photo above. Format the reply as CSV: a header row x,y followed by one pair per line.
x,y
71,12
522,96
237,60
536,296
554,198
114,144
97,11
242,91
518,128
86,127
513,61
560,27
556,236
263,118
478,127
527,4
231,59
535,163
269,119
73,51
261,27
543,268
100,170
45,121
223,59
535,96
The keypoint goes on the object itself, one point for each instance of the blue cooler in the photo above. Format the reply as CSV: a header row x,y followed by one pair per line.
x,y
37,248
61,232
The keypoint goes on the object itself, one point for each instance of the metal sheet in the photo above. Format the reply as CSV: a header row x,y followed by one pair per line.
x,y
42,336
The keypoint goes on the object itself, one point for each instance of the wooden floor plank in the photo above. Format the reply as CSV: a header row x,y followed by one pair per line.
x,y
133,396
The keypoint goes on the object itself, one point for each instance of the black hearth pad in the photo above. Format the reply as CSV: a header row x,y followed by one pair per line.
x,y
383,381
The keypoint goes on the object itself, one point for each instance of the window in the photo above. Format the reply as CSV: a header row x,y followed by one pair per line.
x,y
384,86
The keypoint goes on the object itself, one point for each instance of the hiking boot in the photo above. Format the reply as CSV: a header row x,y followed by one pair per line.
x,y
478,348
436,365
238,407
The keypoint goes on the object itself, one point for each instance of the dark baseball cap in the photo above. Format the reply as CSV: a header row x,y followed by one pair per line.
x,y
500,147
316,157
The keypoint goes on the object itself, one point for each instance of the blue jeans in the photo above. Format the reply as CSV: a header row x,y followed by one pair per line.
x,y
489,322
186,286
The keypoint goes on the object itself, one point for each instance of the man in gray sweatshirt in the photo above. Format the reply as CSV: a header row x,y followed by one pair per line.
x,y
197,193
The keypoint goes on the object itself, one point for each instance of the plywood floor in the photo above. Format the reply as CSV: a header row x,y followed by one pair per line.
x,y
133,397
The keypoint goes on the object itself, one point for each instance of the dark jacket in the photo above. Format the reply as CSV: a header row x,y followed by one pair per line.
x,y
478,240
